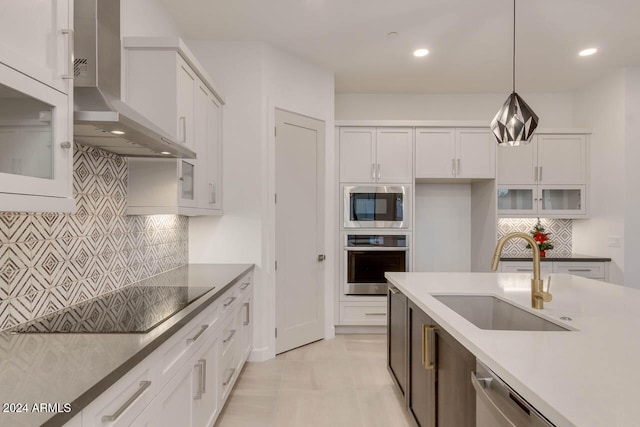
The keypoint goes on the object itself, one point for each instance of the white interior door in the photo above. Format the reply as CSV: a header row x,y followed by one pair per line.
x,y
299,179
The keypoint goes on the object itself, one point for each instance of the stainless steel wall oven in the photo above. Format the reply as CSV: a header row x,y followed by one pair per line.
x,y
368,256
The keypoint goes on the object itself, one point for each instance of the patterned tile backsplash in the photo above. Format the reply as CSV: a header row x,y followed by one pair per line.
x,y
559,234
49,261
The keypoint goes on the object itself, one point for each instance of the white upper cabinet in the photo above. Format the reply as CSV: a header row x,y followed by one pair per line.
x,y
548,159
547,177
165,83
36,115
382,155
445,153
36,38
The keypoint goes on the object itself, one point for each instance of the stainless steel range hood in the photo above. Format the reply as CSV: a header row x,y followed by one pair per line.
x,y
101,118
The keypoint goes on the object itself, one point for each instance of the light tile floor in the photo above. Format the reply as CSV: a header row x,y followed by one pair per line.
x,y
331,383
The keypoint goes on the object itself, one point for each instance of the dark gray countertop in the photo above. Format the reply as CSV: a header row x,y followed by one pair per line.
x,y
572,258
77,368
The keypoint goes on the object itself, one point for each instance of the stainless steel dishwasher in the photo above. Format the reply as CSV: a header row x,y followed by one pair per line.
x,y
498,405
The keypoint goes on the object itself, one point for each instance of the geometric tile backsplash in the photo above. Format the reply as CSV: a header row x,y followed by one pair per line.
x,y
560,234
49,261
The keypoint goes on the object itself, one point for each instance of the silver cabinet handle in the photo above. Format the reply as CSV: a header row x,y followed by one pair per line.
x,y
375,314
580,269
212,199
247,319
226,340
244,286
394,290
535,174
201,387
540,174
453,167
480,384
196,336
143,386
69,33
229,301
228,380
524,269
373,171
378,168
458,161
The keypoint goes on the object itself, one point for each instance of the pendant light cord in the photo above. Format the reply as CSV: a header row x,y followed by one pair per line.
x,y
514,46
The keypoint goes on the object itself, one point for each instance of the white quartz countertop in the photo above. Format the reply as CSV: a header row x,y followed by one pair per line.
x,y
75,368
584,377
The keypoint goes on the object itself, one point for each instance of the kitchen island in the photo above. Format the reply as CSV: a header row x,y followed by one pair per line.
x,y
586,376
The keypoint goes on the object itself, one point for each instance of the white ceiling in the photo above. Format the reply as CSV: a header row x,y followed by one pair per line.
x,y
469,40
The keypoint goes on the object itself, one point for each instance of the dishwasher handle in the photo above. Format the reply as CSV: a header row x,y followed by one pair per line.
x,y
480,384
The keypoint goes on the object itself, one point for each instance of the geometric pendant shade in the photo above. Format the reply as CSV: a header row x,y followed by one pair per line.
x,y
515,122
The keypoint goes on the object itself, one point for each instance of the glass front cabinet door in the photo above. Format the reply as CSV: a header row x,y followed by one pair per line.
x,y
562,201
35,140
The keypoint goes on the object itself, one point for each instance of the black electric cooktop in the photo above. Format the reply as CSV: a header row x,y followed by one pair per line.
x,y
133,309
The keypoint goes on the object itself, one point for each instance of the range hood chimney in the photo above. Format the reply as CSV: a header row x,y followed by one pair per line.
x,y
101,118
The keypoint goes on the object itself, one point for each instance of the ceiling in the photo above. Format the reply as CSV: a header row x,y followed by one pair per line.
x,y
470,41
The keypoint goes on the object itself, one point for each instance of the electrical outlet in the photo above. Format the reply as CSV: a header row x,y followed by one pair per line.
x,y
614,241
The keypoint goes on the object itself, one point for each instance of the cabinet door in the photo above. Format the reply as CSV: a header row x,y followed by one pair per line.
x,y
435,153
517,200
206,402
456,396
209,148
187,180
475,154
186,94
562,200
422,375
397,337
562,159
517,165
36,39
357,154
394,155
35,140
174,407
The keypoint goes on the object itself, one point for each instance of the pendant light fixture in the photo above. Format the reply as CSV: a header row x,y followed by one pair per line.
x,y
515,122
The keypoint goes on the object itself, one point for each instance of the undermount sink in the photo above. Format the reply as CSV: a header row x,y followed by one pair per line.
x,y
489,312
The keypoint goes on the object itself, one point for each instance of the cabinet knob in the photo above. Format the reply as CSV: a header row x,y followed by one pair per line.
x,y
66,145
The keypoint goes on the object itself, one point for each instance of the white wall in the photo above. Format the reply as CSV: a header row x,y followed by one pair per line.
x,y
146,18
601,107
442,227
554,110
255,79
632,191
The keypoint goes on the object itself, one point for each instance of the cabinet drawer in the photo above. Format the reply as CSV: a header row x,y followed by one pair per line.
x,y
363,313
525,267
592,270
230,349
124,401
229,300
175,352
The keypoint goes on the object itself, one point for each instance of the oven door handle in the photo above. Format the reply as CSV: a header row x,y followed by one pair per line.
x,y
375,248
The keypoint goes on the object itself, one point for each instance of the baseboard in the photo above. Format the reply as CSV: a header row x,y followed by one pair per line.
x,y
260,355
342,329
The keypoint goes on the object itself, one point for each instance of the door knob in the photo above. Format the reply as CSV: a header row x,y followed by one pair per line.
x,y
321,257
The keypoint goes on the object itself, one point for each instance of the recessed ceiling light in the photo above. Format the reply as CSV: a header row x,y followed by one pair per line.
x,y
420,52
165,152
117,132
588,52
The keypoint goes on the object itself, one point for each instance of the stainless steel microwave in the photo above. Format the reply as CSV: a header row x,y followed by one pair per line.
x,y
376,206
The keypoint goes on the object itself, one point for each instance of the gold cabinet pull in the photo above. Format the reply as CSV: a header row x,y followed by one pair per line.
x,y
426,347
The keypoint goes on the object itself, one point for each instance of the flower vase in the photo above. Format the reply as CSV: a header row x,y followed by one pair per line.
x,y
542,254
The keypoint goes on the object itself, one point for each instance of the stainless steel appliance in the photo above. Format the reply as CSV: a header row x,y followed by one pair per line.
x,y
376,206
101,118
498,405
368,256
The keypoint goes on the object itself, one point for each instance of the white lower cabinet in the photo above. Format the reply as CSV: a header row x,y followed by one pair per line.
x,y
186,381
363,313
